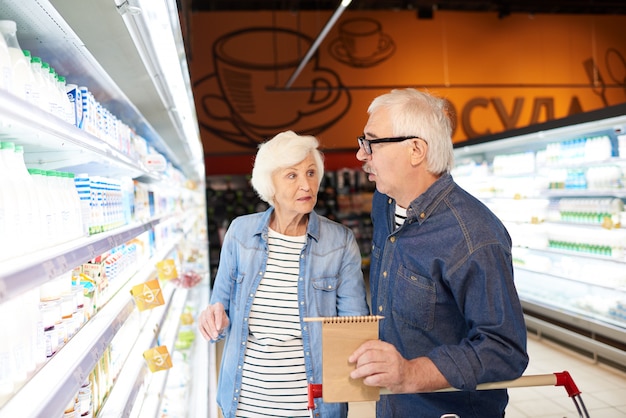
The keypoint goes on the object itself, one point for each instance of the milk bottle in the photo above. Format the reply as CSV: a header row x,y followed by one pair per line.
x,y
22,74
6,68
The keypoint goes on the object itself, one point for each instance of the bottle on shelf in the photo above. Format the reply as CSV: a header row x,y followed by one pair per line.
x,y
6,68
23,79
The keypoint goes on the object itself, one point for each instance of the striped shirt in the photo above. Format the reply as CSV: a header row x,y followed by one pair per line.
x,y
400,216
274,382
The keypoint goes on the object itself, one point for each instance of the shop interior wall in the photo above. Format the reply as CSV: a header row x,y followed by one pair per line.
x,y
498,73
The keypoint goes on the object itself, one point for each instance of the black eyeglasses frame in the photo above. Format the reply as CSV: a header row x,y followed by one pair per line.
x,y
366,143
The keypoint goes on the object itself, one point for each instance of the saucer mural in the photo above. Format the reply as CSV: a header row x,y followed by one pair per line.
x,y
340,53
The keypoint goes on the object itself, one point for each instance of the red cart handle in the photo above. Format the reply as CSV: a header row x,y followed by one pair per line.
x,y
564,379
315,391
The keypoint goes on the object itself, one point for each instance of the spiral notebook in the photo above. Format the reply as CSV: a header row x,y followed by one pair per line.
x,y
342,335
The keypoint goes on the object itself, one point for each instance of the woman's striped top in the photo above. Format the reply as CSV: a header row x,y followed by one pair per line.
x,y
274,382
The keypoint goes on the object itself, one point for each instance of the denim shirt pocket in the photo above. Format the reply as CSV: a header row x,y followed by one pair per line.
x,y
414,299
325,295
235,289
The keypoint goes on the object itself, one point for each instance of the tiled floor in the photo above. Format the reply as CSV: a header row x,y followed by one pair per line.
x,y
603,389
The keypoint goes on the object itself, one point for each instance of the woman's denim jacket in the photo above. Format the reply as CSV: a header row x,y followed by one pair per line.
x,y
331,284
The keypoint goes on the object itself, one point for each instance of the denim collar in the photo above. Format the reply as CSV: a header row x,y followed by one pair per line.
x,y
424,205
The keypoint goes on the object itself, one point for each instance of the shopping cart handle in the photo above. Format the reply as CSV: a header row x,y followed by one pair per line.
x,y
565,379
552,379
315,391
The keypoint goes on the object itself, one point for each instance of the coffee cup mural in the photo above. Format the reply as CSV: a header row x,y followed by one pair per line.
x,y
246,100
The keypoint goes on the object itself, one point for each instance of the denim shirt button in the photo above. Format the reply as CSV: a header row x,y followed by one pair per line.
x,y
392,239
380,308
390,201
422,215
384,274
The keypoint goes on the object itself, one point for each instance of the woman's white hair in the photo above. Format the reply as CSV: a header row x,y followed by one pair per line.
x,y
284,150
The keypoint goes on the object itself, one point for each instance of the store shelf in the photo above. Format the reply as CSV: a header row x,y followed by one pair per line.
x,y
102,46
159,328
31,270
70,366
91,46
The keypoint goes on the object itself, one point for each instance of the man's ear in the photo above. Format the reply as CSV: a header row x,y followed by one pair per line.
x,y
418,151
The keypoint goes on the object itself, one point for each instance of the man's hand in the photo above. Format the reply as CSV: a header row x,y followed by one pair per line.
x,y
380,364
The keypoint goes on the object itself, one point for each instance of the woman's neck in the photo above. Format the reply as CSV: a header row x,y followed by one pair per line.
x,y
293,226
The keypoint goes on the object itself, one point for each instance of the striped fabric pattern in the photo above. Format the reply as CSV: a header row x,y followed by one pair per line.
x,y
274,380
400,216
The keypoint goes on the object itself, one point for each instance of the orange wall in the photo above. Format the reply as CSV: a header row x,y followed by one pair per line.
x,y
499,74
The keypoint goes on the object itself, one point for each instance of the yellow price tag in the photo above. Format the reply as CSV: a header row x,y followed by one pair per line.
x,y
147,295
166,269
158,358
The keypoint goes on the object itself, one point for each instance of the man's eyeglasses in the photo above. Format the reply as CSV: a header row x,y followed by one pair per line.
x,y
366,144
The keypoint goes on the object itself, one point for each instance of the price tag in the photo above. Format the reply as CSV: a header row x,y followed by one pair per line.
x,y
166,269
158,358
607,222
147,295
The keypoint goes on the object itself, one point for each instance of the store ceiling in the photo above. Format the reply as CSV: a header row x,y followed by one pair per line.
x,y
502,7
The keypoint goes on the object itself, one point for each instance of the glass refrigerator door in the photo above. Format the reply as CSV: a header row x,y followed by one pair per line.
x,y
560,188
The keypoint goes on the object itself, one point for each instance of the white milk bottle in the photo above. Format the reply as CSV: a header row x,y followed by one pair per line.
x,y
52,98
40,84
22,73
6,68
68,111
51,213
35,91
15,202
33,214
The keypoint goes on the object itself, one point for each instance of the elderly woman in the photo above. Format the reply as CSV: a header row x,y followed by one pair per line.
x,y
276,268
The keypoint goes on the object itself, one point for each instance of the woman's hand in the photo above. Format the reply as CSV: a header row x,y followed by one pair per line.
x,y
213,321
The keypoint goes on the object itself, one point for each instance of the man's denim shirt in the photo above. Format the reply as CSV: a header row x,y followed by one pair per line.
x,y
331,284
444,283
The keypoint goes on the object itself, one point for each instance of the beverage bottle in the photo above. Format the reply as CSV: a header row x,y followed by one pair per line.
x,y
39,84
35,91
82,186
55,182
51,213
14,199
68,111
6,68
22,73
32,200
69,187
52,98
